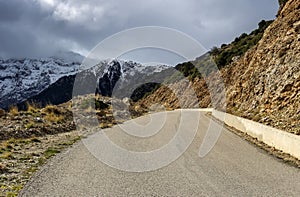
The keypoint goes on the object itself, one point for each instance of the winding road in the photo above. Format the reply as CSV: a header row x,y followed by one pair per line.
x,y
233,167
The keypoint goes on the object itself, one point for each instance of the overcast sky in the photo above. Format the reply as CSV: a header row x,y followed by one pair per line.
x,y
39,28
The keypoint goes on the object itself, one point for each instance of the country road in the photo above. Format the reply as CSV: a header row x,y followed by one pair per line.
x,y
233,167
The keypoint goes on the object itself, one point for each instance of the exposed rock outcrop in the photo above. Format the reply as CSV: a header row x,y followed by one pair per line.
x,y
262,85
266,81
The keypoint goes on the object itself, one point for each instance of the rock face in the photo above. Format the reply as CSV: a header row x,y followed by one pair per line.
x,y
182,94
266,81
262,85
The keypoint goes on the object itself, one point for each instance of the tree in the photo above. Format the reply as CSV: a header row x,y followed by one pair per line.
x,y
214,51
282,2
262,24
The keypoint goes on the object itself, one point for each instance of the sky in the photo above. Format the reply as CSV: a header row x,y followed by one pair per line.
x,y
41,28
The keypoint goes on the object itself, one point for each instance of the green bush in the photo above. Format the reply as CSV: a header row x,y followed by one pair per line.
x,y
100,104
189,70
87,103
239,46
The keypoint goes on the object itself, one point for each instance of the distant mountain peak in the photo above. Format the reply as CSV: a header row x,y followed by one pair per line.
x,y
68,56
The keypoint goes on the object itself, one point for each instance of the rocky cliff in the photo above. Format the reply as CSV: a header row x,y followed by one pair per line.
x,y
266,83
262,85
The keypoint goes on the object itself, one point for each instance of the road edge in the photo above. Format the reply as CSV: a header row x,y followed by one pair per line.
x,y
258,142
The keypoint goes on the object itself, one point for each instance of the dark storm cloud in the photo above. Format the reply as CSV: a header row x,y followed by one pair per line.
x,y
33,28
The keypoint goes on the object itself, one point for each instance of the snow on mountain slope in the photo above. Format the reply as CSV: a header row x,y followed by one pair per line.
x,y
123,75
21,79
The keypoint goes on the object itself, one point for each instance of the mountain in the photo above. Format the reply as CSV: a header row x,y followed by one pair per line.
x,y
103,78
23,78
51,80
262,83
68,57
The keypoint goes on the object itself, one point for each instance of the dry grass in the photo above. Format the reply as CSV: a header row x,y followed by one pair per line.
x,y
52,109
32,108
2,168
52,117
18,164
6,155
14,111
53,114
29,125
90,109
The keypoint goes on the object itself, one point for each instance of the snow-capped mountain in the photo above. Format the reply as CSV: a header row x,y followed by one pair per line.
x,y
110,73
103,78
23,78
51,80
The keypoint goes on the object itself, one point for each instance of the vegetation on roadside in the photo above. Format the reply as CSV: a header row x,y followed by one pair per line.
x,y
20,158
30,136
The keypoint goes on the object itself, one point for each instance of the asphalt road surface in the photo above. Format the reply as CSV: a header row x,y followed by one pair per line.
x,y
233,167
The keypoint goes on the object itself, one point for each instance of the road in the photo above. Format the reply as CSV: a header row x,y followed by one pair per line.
x,y
233,167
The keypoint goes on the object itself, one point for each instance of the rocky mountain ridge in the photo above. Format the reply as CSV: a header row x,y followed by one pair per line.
x,y
51,80
22,78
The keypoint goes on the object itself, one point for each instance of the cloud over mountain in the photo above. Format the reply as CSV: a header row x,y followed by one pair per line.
x,y
35,28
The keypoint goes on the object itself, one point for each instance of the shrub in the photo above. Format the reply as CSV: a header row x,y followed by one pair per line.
x,y
188,69
53,114
55,118
91,102
6,155
100,105
214,51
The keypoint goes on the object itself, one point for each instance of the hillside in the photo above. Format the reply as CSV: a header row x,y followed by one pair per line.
x,y
262,84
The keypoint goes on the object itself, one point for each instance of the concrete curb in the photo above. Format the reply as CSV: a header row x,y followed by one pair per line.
x,y
196,109
281,140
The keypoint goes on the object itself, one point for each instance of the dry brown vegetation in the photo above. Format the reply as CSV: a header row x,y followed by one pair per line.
x,y
13,111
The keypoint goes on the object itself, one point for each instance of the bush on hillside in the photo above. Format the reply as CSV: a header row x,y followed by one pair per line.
x,y
88,103
223,56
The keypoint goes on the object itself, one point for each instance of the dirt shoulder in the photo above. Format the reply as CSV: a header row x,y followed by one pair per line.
x,y
28,138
